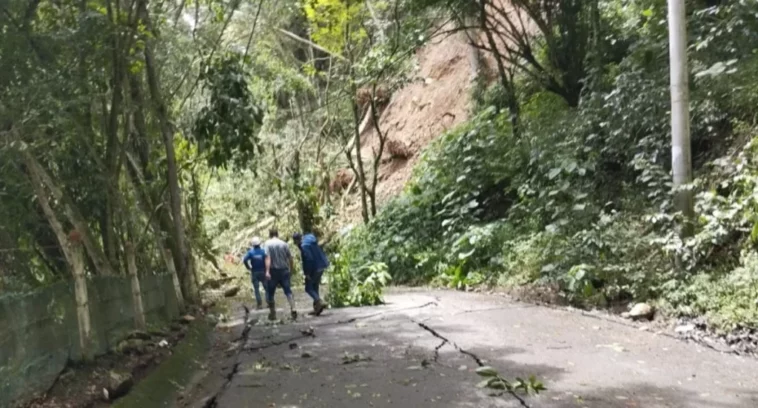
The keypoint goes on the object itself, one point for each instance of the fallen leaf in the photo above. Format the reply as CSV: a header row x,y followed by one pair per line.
x,y
615,346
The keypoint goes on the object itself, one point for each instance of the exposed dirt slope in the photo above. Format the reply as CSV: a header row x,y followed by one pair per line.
x,y
418,113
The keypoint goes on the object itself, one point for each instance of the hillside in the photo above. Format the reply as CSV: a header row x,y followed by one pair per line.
x,y
438,99
560,177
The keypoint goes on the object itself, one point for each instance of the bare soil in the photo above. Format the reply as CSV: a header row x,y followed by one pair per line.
x,y
436,101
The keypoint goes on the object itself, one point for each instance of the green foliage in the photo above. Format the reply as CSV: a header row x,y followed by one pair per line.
x,y
335,23
461,180
227,129
361,286
582,199
493,380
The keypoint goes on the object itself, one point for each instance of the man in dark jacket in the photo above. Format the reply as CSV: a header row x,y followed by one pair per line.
x,y
314,263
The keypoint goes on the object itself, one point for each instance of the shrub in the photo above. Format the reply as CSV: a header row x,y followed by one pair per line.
x,y
356,286
582,199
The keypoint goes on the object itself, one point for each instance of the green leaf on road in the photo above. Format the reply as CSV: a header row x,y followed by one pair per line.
x,y
486,371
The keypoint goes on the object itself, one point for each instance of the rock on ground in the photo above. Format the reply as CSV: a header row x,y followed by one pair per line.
x,y
641,311
119,383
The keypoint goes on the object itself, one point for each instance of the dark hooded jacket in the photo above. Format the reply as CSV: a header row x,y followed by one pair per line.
x,y
314,258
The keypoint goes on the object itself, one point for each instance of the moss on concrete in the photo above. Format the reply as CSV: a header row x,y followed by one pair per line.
x,y
161,387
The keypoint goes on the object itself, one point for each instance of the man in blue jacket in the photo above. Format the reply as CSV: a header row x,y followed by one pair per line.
x,y
255,262
314,263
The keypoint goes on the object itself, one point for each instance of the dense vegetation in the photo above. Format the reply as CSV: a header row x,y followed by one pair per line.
x,y
181,129
579,199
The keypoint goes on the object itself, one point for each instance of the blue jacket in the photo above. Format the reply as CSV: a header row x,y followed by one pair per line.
x,y
314,258
255,260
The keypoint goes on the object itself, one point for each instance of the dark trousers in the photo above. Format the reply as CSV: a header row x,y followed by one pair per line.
x,y
258,278
312,283
279,277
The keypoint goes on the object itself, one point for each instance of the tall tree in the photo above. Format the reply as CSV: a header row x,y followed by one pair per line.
x,y
186,275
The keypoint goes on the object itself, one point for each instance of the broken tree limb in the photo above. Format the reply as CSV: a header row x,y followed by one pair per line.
x,y
310,43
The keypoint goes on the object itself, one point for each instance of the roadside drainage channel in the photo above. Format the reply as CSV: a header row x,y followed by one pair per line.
x,y
165,382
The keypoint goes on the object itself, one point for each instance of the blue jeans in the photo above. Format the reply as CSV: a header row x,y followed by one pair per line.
x,y
312,282
279,277
258,278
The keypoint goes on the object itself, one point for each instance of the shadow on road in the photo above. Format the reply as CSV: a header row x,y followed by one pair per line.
x,y
418,352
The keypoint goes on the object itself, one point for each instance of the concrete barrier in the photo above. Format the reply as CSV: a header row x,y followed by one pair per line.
x,y
39,332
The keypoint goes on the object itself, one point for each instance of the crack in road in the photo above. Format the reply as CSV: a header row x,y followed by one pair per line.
x,y
491,309
356,318
437,350
212,401
277,343
436,334
473,356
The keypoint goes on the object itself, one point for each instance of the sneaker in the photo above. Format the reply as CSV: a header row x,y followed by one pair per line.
x,y
294,314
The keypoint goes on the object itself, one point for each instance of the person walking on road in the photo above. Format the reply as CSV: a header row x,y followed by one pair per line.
x,y
255,262
314,263
278,268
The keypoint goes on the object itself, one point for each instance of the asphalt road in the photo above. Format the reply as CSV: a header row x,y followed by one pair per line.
x,y
422,347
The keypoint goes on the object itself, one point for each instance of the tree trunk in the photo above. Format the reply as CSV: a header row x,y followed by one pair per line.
x,y
186,276
174,278
94,251
72,252
112,143
139,310
377,154
145,203
361,174
142,171
82,300
505,80
194,282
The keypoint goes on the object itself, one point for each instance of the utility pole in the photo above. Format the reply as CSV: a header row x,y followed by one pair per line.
x,y
681,157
